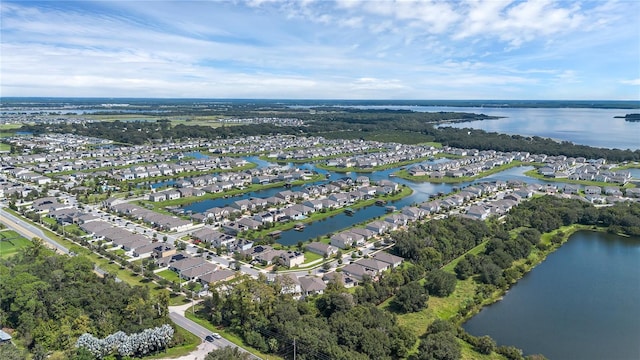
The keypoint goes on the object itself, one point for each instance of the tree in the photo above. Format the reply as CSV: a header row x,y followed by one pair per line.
x,y
440,283
465,267
411,297
10,352
485,345
326,266
439,346
440,325
491,273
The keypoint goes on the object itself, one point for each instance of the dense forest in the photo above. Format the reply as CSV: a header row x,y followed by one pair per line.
x,y
51,300
345,123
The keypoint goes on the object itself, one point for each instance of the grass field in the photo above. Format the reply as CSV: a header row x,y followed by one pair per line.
x,y
169,275
11,243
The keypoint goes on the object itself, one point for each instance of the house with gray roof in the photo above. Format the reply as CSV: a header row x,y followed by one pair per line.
x,y
217,276
385,257
321,248
311,285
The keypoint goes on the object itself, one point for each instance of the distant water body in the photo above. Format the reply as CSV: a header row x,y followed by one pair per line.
x,y
583,126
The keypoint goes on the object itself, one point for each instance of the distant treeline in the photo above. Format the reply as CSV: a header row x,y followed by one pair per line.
x,y
170,105
338,122
630,117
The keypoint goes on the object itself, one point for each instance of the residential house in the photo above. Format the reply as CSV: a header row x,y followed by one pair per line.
x,y
322,248
385,257
342,240
311,285
219,275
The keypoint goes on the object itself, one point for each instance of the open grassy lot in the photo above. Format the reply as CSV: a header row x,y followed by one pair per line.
x,y
11,242
8,130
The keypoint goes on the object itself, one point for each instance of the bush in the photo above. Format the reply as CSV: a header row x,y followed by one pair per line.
x,y
485,345
510,352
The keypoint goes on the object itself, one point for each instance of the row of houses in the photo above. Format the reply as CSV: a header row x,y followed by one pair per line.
x,y
570,169
217,183
139,245
372,267
11,188
289,205
390,153
170,169
351,275
217,239
472,164
191,268
154,219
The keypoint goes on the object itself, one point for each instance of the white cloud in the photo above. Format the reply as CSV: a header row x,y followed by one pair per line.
x,y
631,82
517,23
342,49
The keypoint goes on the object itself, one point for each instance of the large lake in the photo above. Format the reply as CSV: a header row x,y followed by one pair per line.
x,y
582,302
584,126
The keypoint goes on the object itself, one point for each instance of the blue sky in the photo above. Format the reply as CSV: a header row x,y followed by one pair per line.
x,y
321,49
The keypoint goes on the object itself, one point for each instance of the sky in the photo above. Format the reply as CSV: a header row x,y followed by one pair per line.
x,y
322,49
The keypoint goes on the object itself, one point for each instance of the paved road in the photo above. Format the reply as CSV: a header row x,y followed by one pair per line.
x,y
189,325
27,230
177,315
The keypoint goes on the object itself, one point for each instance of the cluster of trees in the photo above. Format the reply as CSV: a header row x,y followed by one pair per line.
x,y
335,325
338,324
434,243
439,342
482,140
51,300
549,213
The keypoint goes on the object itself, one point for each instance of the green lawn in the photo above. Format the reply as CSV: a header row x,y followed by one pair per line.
x,y
191,343
309,257
11,243
475,251
169,275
